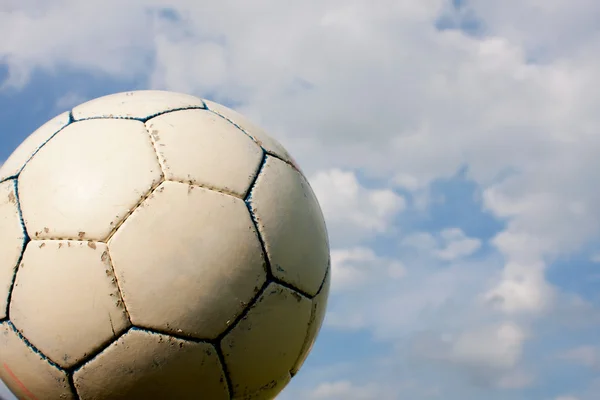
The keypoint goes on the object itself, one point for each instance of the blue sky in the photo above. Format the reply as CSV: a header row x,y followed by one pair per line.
x,y
452,145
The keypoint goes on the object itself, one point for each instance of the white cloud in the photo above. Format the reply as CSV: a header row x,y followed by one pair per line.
x,y
431,295
498,346
588,356
489,354
450,244
457,245
564,27
515,380
70,33
351,210
345,390
522,289
360,267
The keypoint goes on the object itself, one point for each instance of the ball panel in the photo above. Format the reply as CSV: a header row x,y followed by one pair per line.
x,y
200,147
260,136
65,300
188,261
86,180
142,365
137,104
12,239
319,307
291,224
26,373
269,391
13,165
266,342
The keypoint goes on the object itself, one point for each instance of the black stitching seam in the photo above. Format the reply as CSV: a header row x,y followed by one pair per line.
x,y
311,320
26,240
26,237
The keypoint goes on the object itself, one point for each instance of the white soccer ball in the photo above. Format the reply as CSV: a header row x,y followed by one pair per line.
x,y
154,245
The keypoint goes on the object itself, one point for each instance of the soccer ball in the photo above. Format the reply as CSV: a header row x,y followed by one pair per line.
x,y
154,245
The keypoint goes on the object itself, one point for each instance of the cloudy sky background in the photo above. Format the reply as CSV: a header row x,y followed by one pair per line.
x,y
454,146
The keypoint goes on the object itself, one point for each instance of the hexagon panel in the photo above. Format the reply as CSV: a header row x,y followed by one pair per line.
x,y
139,104
27,373
269,391
141,365
291,224
199,147
66,301
13,165
257,349
319,307
12,238
87,179
260,136
188,261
